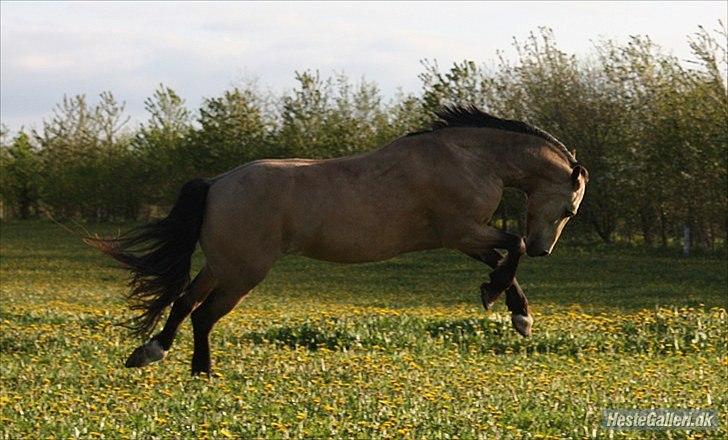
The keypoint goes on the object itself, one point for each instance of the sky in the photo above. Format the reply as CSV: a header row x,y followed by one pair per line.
x,y
50,49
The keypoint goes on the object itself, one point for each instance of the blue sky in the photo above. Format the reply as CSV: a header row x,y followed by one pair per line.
x,y
200,49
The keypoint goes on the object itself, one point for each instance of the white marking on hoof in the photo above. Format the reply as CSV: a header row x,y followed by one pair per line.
x,y
522,324
145,354
487,299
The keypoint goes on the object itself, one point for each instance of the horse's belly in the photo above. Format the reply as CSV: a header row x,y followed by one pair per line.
x,y
359,242
351,252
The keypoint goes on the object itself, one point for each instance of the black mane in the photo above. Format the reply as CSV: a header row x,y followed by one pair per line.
x,y
471,116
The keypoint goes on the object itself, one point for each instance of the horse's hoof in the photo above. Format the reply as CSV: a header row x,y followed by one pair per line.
x,y
522,324
206,374
487,296
145,354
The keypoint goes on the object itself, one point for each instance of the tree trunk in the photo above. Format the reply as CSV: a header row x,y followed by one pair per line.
x,y
647,222
686,240
24,208
603,231
663,228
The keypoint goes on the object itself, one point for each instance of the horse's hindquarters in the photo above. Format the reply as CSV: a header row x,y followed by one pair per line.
x,y
241,232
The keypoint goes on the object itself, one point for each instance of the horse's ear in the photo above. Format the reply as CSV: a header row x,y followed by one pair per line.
x,y
576,172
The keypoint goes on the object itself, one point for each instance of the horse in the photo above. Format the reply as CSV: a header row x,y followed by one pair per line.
x,y
436,188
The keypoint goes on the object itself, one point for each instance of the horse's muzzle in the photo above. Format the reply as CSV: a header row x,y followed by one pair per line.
x,y
533,252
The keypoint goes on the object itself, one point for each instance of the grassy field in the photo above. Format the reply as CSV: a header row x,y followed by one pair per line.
x,y
397,349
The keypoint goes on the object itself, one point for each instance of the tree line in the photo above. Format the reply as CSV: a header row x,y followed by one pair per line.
x,y
650,128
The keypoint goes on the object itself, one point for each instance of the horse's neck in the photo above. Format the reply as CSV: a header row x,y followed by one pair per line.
x,y
518,165
529,168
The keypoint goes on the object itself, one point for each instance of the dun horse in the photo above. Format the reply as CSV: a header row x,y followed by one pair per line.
x,y
433,189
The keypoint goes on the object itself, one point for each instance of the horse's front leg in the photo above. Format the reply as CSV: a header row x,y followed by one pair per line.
x,y
504,275
483,241
515,298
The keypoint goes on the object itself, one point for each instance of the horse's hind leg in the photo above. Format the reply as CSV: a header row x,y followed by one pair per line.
x,y
221,302
156,348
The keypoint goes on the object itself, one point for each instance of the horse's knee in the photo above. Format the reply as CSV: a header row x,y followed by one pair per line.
x,y
501,279
518,247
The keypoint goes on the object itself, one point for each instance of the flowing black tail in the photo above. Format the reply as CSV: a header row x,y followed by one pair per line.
x,y
158,255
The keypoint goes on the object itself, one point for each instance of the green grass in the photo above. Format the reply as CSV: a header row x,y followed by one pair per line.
x,y
394,349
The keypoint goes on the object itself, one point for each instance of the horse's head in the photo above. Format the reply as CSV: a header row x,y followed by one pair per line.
x,y
549,209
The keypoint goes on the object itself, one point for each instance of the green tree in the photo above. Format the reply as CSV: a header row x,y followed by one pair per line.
x,y
87,167
233,130
159,144
464,83
304,113
19,171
